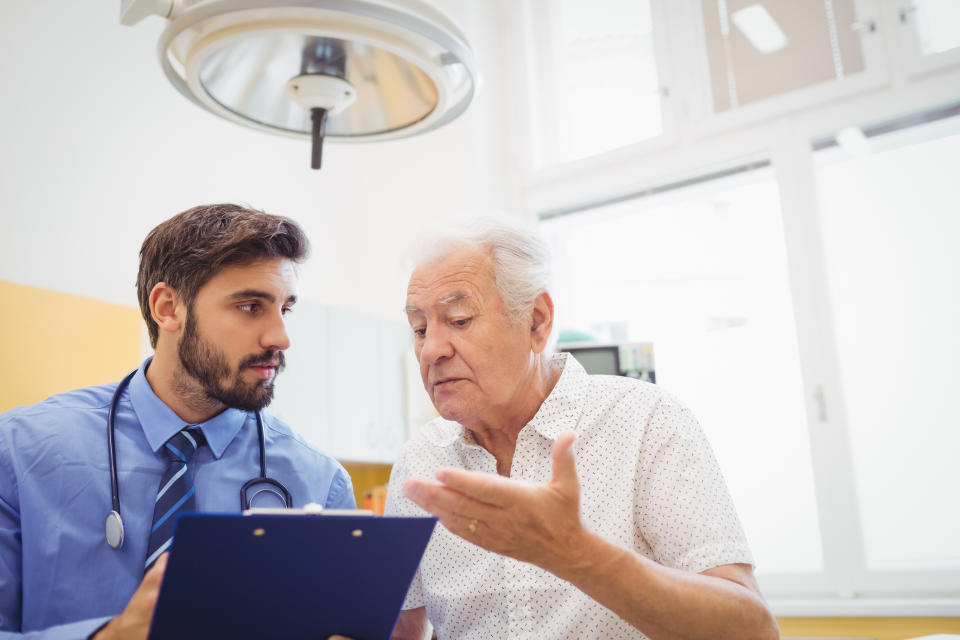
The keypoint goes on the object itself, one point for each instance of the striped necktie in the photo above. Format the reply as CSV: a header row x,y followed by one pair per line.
x,y
175,493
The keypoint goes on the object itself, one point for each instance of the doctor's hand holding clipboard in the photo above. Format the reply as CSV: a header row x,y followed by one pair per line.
x,y
133,623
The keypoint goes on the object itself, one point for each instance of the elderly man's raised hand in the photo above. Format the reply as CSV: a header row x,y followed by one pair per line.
x,y
533,523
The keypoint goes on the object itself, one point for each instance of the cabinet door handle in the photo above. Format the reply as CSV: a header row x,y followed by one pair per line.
x,y
820,398
906,11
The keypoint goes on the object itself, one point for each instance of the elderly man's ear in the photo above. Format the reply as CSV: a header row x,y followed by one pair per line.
x,y
542,322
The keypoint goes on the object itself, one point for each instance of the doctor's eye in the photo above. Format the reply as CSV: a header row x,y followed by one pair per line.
x,y
286,311
250,307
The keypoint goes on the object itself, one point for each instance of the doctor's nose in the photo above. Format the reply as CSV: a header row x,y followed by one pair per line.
x,y
275,336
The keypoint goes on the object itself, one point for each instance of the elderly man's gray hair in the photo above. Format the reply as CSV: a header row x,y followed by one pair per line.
x,y
520,260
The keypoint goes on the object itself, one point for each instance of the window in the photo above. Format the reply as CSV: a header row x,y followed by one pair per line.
x,y
937,24
805,305
757,50
705,270
596,82
930,34
758,59
891,229
701,273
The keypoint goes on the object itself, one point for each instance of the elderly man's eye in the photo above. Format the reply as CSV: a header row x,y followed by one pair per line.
x,y
422,331
461,322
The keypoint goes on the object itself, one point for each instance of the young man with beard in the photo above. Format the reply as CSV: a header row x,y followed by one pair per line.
x,y
215,283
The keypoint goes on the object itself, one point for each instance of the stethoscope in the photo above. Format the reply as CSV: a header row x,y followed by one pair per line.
x,y
114,524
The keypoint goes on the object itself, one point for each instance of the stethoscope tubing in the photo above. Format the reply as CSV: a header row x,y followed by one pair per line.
x,y
114,529
111,444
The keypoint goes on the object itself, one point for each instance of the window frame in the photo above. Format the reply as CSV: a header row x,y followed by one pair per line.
x,y
785,130
541,29
875,74
845,584
908,43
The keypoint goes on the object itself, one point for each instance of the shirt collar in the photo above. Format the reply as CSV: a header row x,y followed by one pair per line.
x,y
160,423
561,409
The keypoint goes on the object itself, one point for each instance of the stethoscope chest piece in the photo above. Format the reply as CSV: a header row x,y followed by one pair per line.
x,y
114,530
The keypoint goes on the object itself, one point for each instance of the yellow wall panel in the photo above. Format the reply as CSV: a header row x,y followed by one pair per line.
x,y
52,342
879,628
366,476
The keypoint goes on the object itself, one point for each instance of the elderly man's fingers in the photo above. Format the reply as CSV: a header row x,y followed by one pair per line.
x,y
494,535
442,501
469,519
485,487
564,464
463,526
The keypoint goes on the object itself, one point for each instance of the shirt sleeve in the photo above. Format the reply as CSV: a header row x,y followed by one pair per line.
x,y
684,510
398,505
11,565
80,630
341,495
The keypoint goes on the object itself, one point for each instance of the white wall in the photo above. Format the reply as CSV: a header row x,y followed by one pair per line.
x,y
96,148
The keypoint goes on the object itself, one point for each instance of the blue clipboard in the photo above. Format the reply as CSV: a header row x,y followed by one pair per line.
x,y
287,576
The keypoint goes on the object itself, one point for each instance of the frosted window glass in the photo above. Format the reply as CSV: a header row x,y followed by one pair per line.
x,y
938,25
596,77
702,275
891,228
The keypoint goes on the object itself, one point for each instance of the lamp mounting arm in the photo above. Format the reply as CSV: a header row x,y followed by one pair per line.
x,y
133,11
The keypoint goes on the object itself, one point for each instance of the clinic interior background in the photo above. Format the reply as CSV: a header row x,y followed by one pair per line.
x,y
781,226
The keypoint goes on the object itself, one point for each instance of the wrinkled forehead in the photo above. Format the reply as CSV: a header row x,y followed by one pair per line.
x,y
460,277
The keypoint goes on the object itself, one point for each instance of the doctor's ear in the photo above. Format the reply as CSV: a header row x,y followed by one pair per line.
x,y
167,308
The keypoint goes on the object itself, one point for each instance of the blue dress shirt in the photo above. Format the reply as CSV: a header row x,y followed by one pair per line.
x,y
58,577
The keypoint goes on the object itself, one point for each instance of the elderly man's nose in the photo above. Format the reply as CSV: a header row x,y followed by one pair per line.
x,y
436,346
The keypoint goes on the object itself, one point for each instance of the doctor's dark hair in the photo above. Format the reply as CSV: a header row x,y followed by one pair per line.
x,y
191,247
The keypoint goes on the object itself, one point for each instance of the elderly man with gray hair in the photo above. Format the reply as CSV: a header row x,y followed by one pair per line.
x,y
573,505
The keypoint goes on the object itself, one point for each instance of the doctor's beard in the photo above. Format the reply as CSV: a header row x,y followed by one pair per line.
x,y
208,365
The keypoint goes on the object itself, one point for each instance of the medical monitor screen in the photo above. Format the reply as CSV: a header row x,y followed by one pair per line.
x,y
601,360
